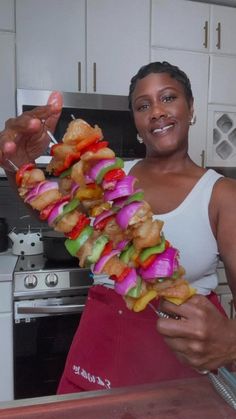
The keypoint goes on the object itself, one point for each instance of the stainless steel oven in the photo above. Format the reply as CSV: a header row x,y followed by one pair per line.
x,y
48,299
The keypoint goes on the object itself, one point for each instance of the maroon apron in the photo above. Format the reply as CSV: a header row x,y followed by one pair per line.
x,y
116,347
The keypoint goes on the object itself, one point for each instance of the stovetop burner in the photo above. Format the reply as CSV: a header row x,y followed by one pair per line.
x,y
41,263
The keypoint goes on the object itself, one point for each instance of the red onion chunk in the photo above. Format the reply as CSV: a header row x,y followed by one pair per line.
x,y
74,188
56,211
40,188
120,202
163,266
95,170
130,281
48,186
121,245
102,216
124,187
98,267
125,214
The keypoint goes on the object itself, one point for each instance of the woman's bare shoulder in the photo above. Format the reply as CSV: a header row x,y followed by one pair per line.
x,y
225,187
223,201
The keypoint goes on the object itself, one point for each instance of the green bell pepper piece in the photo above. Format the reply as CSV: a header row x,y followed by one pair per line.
x,y
137,196
98,247
135,292
153,250
119,163
127,254
74,245
74,203
68,208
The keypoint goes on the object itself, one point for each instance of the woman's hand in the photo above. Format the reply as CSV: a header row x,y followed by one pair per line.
x,y
25,137
203,337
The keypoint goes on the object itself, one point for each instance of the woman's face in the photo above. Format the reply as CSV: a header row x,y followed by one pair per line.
x,y
162,113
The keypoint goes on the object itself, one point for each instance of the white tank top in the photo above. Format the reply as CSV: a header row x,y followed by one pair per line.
x,y
188,229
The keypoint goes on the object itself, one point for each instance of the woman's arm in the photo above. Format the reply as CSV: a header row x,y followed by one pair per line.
x,y
204,338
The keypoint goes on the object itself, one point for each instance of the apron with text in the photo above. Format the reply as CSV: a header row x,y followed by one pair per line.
x,y
116,347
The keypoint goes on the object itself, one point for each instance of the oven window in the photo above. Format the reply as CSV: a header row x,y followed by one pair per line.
x,y
40,350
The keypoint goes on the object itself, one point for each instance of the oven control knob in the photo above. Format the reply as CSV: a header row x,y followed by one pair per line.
x,y
30,281
51,280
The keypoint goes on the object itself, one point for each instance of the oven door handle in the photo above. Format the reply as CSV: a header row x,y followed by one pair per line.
x,y
53,309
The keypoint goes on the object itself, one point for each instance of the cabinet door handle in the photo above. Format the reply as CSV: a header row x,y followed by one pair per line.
x,y
79,76
94,77
232,315
205,27
218,30
202,158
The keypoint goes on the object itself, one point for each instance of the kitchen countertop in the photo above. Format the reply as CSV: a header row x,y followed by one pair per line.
x,y
185,399
7,265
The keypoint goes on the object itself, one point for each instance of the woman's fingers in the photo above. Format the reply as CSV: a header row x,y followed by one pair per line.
x,y
203,337
30,121
55,100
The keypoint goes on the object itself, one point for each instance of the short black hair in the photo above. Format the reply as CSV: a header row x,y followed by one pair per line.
x,y
161,67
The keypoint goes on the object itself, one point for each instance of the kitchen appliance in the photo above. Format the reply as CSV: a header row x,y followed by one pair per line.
x,y
49,298
54,247
109,112
26,243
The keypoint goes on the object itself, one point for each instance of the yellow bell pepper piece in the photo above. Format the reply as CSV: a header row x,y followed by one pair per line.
x,y
142,302
89,193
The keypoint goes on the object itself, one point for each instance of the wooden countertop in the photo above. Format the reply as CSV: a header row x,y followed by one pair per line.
x,y
183,399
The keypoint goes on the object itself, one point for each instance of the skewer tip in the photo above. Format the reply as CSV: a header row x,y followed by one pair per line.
x,y
12,165
53,139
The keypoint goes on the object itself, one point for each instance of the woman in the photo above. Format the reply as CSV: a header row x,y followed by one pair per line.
x,y
117,347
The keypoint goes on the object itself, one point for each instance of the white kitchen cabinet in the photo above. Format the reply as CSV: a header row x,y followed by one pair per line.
x,y
7,263
81,45
180,24
194,26
189,62
222,85
7,15
6,341
117,43
7,76
221,138
50,44
6,357
223,30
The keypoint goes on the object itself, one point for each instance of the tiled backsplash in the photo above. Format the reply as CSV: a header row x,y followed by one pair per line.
x,y
14,210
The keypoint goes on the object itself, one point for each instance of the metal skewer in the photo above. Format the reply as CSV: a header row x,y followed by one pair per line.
x,y
12,165
53,139
163,314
